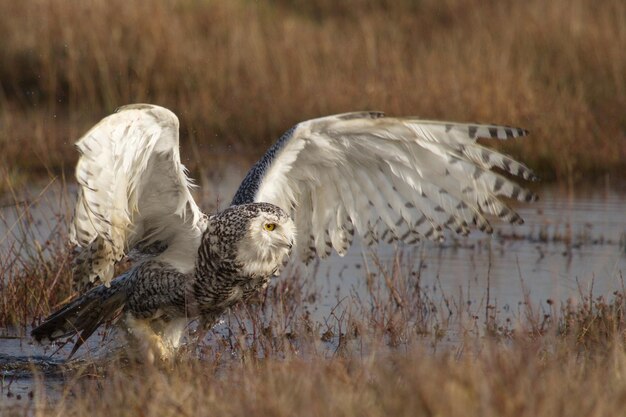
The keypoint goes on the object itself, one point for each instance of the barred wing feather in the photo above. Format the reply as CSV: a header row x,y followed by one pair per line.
x,y
385,179
133,191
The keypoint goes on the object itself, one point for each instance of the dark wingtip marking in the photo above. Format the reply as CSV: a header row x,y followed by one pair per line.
x,y
498,185
472,131
507,165
493,132
360,115
530,197
484,155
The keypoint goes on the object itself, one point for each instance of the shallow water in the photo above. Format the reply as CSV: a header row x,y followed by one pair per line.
x,y
572,243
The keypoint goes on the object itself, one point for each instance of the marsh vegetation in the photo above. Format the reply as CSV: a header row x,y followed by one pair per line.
x,y
381,337
385,337
240,73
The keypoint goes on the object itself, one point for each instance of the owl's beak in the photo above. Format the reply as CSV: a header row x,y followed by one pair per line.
x,y
287,245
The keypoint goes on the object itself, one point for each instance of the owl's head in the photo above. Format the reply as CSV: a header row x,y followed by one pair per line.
x,y
257,236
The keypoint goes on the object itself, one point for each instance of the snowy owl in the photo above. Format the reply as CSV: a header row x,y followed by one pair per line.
x,y
321,183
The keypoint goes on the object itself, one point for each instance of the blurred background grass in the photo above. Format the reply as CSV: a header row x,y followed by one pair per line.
x,y
238,73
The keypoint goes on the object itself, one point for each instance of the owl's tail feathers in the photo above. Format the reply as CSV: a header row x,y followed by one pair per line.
x,y
83,315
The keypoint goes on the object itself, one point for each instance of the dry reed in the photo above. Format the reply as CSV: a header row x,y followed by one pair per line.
x,y
239,73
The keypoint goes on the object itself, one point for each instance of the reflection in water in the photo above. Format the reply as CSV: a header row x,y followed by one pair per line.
x,y
569,244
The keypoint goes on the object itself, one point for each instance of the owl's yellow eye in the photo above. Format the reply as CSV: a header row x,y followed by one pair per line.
x,y
269,226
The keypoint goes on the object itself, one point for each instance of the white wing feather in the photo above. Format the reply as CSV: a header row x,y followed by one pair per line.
x,y
386,178
133,192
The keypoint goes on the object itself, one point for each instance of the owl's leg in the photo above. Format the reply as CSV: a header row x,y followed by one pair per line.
x,y
147,342
204,324
172,332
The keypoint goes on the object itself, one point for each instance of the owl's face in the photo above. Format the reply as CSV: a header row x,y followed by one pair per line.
x,y
267,244
257,237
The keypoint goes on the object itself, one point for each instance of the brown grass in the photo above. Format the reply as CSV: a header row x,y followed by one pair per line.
x,y
497,381
539,367
397,350
35,256
239,73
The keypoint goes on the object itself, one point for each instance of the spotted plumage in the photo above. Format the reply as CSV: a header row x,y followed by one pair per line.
x,y
323,182
159,293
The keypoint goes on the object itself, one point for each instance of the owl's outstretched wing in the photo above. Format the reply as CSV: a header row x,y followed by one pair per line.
x,y
385,178
133,191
